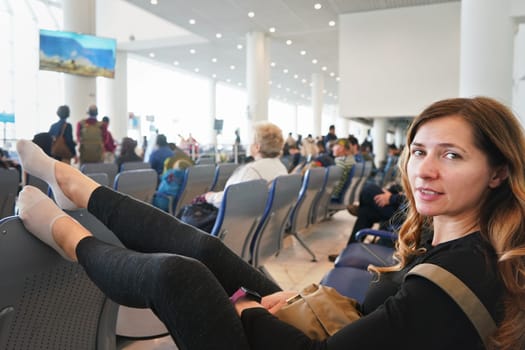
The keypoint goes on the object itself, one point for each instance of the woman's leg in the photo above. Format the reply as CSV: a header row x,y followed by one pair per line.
x,y
181,291
142,227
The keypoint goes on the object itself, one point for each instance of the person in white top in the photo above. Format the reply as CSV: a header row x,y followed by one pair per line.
x,y
265,149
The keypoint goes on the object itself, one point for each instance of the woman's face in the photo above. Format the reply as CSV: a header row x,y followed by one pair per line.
x,y
448,174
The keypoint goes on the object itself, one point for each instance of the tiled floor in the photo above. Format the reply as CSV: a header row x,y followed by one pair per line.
x,y
293,268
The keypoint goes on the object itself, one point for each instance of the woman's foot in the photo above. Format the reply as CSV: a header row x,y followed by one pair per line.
x,y
36,162
49,223
71,188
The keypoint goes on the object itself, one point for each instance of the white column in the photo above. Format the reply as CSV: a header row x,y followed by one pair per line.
x,y
486,51
80,92
399,136
257,78
212,135
113,98
317,102
379,140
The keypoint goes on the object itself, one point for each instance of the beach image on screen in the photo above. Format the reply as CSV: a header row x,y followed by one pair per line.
x,y
77,53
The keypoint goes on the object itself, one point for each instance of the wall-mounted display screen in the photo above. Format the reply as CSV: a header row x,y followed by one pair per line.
x,y
76,53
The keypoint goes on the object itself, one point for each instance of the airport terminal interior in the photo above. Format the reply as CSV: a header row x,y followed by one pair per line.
x,y
203,73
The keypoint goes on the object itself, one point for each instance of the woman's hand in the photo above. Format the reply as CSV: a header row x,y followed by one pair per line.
x,y
274,302
243,304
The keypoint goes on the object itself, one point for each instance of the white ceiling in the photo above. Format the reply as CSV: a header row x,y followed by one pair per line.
x,y
296,20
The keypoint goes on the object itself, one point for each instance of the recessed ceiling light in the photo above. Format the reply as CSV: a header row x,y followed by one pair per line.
x,y
323,68
214,76
303,52
239,84
272,29
193,51
287,89
154,2
152,54
196,70
325,92
239,46
295,76
232,67
279,86
272,64
270,82
285,71
228,80
314,61
303,81
192,21
251,14
214,60
331,23
337,78
218,35
175,63
318,6
311,84
289,42
332,74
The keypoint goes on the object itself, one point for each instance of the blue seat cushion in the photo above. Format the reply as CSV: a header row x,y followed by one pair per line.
x,y
360,255
349,281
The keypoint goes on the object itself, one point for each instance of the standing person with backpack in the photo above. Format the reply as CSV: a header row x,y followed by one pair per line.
x,y
62,129
91,134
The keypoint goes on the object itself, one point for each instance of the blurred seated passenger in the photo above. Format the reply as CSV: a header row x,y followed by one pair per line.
x,y
170,183
265,149
127,152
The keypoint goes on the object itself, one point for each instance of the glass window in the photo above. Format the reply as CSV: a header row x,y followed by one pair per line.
x,y
230,106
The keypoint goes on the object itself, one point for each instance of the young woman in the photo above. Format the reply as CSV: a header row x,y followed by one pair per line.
x,y
463,172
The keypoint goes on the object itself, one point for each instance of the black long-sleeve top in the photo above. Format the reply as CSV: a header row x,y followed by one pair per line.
x,y
409,314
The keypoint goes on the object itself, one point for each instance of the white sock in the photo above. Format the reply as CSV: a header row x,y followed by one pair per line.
x,y
36,162
38,213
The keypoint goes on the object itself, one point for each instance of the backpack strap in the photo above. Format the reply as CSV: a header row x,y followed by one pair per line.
x,y
462,296
63,129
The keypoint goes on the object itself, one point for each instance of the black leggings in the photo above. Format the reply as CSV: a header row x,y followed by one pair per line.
x,y
184,275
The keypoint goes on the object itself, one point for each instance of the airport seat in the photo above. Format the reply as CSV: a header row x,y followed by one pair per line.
x,y
367,170
267,241
140,184
9,182
131,323
300,218
239,215
47,302
197,180
134,166
223,171
350,276
38,183
111,169
320,209
356,174
100,178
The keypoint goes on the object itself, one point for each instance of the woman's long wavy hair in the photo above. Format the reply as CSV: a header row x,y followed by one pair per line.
x,y
497,133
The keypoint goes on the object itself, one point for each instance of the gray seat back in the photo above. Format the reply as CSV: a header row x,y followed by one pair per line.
x,y
320,210
131,322
47,302
109,168
101,178
268,238
367,170
9,181
134,166
140,184
223,171
38,183
239,215
313,181
198,180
